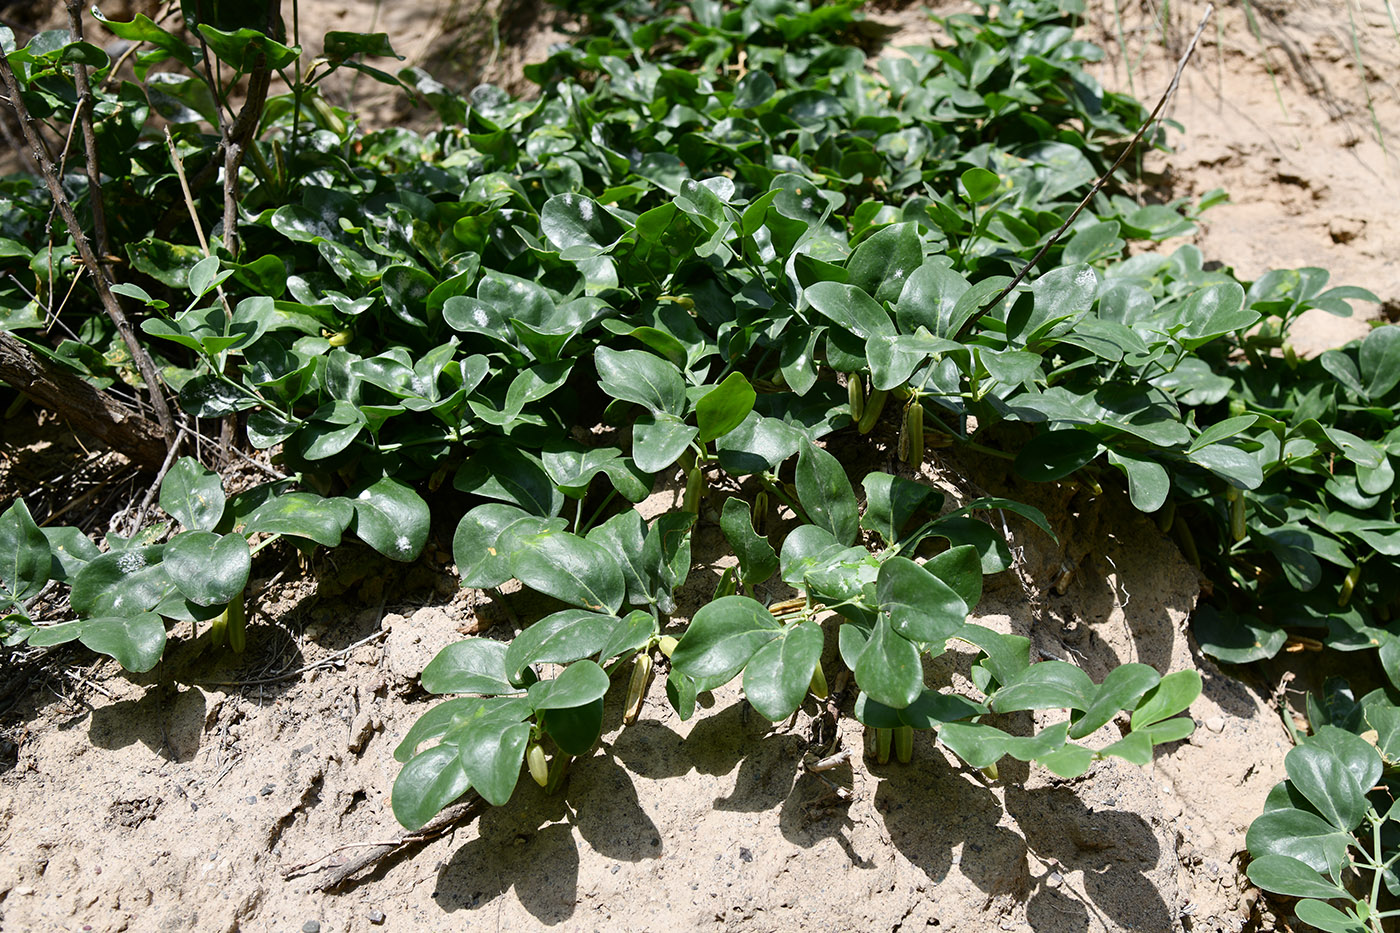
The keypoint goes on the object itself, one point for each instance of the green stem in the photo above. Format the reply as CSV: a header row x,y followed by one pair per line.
x,y
770,483
262,544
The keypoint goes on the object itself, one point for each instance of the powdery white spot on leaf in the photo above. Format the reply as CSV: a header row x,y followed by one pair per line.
x,y
131,562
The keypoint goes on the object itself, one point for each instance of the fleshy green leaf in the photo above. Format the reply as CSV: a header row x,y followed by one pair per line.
x,y
776,678
193,495
757,559
889,669
561,638
429,782
1282,874
25,556
209,569
722,637
1173,693
826,494
473,665
921,607
393,519
136,641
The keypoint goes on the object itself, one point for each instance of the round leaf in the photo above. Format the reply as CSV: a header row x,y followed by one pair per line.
x,y
778,675
136,641
722,637
428,783
193,495
393,519
473,665
561,638
921,607
209,569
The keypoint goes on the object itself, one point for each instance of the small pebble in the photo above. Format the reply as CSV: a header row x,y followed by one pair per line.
x,y
252,799
745,855
266,790
376,916
311,926
213,856
1053,879
1215,723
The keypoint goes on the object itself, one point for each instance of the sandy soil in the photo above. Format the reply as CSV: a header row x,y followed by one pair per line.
x,y
219,792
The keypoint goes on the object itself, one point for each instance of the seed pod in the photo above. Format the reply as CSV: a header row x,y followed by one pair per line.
x,y
637,687
218,630
1348,585
667,644
855,396
818,684
760,510
1186,541
1166,515
990,772
329,119
904,744
873,406
883,738
539,768
236,622
694,489
340,338
1290,356
911,439
1238,530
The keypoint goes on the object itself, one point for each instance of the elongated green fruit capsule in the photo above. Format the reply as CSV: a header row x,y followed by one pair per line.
x,y
873,406
818,684
218,629
1237,524
855,396
1166,515
539,768
911,439
667,644
558,770
694,487
340,338
883,738
904,744
236,623
760,510
637,687
1349,584
328,116
1186,541
990,772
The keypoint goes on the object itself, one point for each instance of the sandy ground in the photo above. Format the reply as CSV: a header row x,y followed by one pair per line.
x,y
217,795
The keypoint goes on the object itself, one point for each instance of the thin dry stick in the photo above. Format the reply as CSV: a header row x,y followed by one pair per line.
x,y
315,665
1098,185
80,241
442,824
84,114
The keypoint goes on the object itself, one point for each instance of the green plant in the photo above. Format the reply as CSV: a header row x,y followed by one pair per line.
x,y
1328,833
720,228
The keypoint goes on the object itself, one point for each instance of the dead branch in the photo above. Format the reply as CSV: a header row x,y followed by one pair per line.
x,y
347,872
82,405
